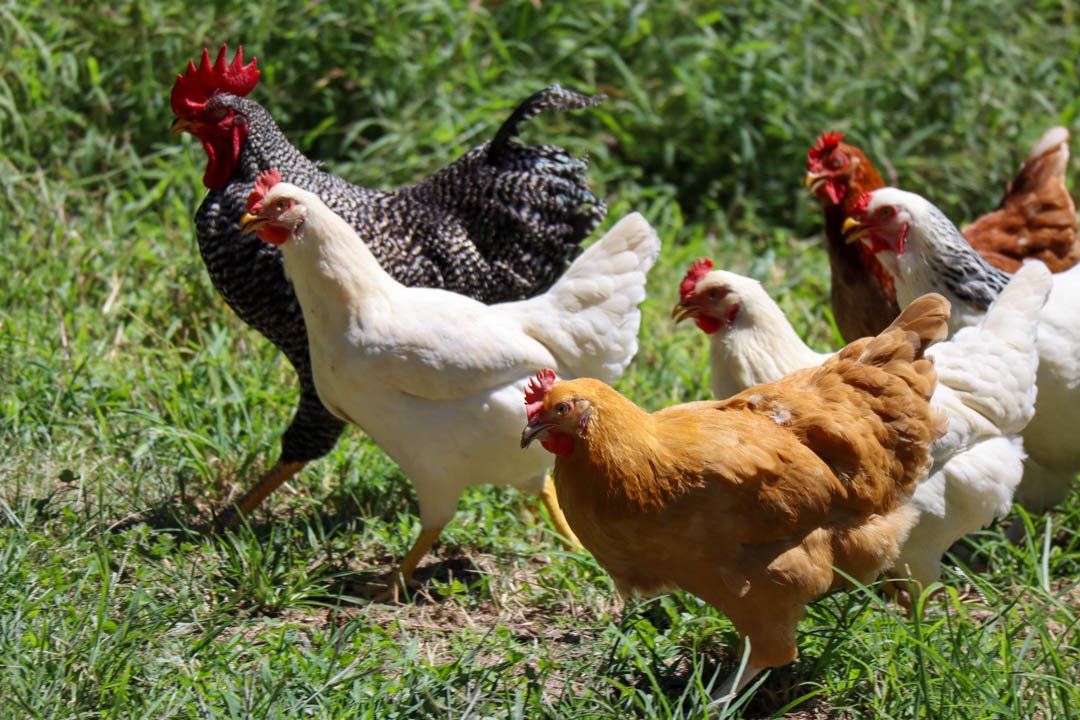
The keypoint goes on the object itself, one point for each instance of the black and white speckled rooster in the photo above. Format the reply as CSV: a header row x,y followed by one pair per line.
x,y
500,223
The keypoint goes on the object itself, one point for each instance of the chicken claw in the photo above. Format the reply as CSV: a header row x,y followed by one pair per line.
x,y
389,591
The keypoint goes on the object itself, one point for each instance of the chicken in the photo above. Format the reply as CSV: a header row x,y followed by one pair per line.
x,y
753,502
433,377
986,387
862,295
1035,219
498,224
925,252
750,339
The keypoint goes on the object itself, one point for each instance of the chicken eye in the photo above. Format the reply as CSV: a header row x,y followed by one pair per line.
x,y
562,408
836,162
280,206
220,113
886,212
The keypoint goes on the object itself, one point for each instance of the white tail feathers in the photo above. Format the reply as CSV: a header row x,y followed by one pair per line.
x,y
990,367
589,319
1015,313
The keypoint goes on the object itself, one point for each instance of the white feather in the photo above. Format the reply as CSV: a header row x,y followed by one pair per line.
x,y
934,251
437,379
986,385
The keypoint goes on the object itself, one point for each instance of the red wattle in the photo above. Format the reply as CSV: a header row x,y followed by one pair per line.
x,y
273,235
836,191
707,323
558,443
222,155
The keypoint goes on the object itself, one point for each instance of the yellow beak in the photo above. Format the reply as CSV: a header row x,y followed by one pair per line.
x,y
250,223
853,230
682,311
813,182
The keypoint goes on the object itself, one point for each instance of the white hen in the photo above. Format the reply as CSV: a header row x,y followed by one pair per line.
x,y
436,378
986,385
924,252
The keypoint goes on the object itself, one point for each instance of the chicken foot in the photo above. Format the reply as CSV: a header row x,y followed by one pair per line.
x,y
401,576
735,683
551,502
266,484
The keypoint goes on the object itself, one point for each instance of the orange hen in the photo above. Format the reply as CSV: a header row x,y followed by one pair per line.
x,y
1035,219
752,502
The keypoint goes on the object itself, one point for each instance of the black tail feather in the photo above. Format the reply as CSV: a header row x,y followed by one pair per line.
x,y
553,97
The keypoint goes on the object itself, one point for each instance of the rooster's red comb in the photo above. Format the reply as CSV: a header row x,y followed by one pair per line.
x,y
267,179
861,204
698,270
826,143
537,390
193,90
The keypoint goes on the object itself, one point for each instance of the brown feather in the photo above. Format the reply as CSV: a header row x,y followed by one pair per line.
x,y
1035,219
751,502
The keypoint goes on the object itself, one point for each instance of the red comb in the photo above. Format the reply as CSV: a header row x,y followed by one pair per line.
x,y
826,142
267,179
861,204
194,88
537,390
698,270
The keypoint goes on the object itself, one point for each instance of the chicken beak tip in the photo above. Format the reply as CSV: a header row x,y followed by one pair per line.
x,y
249,223
179,126
527,436
852,231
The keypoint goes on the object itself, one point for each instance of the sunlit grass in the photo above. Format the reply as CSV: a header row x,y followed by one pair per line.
x,y
133,401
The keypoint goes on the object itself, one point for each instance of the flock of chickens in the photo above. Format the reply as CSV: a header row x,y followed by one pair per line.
x,y
425,314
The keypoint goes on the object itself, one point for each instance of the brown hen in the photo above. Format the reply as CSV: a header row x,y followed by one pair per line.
x,y
751,503
1035,219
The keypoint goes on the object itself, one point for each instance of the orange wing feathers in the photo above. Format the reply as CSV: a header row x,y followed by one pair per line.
x,y
751,502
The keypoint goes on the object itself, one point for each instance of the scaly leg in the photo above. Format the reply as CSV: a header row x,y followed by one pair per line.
x,y
401,576
551,502
250,500
735,683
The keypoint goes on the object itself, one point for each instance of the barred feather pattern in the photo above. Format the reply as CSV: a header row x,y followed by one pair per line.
x,y
501,223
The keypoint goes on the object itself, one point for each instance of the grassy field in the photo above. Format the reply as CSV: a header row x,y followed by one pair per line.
x,y
133,401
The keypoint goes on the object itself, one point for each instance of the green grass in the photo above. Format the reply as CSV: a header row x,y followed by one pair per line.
x,y
133,400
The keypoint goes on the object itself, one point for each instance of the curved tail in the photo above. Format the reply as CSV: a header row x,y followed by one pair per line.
x,y
525,208
590,318
988,370
1036,217
553,97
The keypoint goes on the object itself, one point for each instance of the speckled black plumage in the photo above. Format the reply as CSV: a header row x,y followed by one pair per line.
x,y
500,223
965,273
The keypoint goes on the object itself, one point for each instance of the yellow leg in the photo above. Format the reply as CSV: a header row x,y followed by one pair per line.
x,y
265,485
551,502
401,576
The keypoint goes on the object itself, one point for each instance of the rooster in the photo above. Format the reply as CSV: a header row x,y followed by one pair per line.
x,y
1035,219
924,252
986,386
435,377
498,224
751,503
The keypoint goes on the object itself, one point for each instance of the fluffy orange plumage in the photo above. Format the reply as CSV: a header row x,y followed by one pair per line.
x,y
750,502
1035,219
